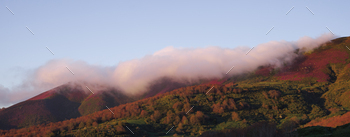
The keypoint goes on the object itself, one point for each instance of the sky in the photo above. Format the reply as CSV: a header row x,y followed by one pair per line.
x,y
107,33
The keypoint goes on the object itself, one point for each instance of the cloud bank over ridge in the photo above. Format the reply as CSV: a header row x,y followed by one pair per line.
x,y
181,64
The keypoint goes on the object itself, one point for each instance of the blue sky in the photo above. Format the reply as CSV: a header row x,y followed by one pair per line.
x,y
108,32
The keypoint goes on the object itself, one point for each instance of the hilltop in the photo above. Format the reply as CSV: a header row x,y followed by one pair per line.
x,y
61,103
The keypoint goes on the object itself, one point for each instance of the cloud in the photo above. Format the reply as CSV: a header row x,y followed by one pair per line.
x,y
181,64
4,97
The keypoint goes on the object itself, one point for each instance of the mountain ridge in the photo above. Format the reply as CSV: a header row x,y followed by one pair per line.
x,y
292,97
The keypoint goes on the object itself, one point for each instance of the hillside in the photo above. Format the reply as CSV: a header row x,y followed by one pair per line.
x,y
162,85
58,104
313,90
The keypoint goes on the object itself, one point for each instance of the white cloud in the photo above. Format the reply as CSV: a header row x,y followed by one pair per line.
x,y
181,64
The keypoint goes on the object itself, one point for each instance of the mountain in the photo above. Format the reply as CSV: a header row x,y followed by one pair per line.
x,y
71,101
308,96
63,102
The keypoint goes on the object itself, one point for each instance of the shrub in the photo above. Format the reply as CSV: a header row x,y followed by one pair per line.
x,y
274,94
265,95
316,112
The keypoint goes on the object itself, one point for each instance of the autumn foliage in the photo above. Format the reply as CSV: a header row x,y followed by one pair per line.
x,y
235,106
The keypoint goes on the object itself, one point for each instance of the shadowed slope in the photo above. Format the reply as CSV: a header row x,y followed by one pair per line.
x,y
58,104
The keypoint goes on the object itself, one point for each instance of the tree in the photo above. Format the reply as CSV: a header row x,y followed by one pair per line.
x,y
244,105
184,120
71,126
274,94
177,120
187,100
177,106
219,92
144,113
217,108
179,128
95,124
134,109
211,98
200,116
89,122
170,117
235,116
275,107
265,95
187,107
121,123
237,91
156,116
232,104
224,89
264,105
225,104
118,115
104,118
120,129
81,125
194,120
316,112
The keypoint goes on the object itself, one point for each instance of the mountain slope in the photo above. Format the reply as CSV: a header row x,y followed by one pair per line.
x,y
61,103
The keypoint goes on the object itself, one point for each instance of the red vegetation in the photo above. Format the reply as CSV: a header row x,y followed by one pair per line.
x,y
217,108
331,122
227,104
24,112
235,116
72,92
229,84
60,103
44,95
313,65
144,113
65,90
216,82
